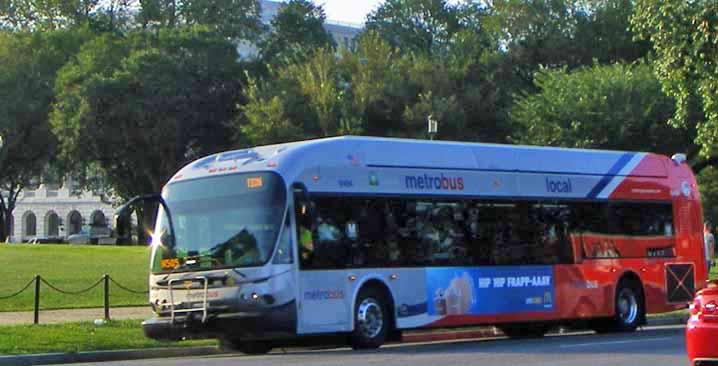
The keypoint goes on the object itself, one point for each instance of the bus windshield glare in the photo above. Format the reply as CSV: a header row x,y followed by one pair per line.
x,y
219,222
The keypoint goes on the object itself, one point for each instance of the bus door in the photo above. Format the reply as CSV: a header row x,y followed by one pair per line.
x,y
323,295
324,302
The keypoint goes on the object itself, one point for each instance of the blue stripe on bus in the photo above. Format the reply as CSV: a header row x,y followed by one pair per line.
x,y
612,173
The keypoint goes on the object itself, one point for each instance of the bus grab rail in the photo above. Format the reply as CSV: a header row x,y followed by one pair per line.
x,y
203,309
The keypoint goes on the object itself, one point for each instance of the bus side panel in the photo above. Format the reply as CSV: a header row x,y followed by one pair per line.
x,y
329,297
459,296
325,299
688,217
585,290
680,187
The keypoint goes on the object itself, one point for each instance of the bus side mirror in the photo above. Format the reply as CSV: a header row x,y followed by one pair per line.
x,y
122,218
122,215
120,227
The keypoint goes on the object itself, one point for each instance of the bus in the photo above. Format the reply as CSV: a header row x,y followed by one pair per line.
x,y
359,238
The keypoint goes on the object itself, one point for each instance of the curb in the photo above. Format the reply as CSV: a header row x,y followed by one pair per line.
x,y
448,335
119,355
667,321
103,356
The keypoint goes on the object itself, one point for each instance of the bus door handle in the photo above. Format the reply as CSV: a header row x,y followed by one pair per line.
x,y
352,278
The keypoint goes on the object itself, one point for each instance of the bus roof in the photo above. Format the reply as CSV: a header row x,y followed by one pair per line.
x,y
291,159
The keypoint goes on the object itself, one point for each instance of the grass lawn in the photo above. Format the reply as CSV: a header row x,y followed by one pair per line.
x,y
73,268
80,337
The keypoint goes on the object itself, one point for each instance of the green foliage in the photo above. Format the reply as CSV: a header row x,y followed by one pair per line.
x,y
556,33
708,185
684,36
296,31
167,97
378,90
608,107
417,25
318,83
81,337
267,121
58,264
59,14
235,19
28,65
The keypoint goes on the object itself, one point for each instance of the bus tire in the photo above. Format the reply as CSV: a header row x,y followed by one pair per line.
x,y
523,331
246,347
371,319
629,306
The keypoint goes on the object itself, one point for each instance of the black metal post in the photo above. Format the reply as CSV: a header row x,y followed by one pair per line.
x,y
106,278
37,299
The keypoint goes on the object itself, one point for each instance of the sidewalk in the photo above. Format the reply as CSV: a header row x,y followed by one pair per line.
x,y
75,315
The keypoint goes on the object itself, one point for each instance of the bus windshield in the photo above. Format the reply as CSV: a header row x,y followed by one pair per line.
x,y
219,222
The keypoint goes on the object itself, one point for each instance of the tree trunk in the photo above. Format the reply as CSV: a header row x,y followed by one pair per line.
x,y
4,225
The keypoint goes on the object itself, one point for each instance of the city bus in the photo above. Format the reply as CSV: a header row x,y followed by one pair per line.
x,y
359,238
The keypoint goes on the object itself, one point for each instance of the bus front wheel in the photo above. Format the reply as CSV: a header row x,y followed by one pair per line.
x,y
371,319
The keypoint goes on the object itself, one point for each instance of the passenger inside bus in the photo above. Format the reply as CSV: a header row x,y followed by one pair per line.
x,y
380,232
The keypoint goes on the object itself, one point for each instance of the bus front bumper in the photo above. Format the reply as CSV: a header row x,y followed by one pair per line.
x,y
272,323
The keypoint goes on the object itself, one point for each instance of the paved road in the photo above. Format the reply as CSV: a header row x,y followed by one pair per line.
x,y
652,347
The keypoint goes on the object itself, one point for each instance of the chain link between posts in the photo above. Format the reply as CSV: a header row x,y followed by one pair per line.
x,y
68,292
5,297
105,279
128,289
71,292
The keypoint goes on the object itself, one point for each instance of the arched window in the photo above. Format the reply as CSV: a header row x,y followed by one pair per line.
x,y
74,220
52,224
30,224
98,219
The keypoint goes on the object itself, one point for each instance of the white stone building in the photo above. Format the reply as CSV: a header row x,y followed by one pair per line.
x,y
52,212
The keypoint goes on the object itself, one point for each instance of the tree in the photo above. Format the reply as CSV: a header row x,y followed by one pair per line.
x,y
296,32
28,64
57,14
415,25
708,185
683,34
606,107
378,90
557,33
264,121
142,106
373,75
235,19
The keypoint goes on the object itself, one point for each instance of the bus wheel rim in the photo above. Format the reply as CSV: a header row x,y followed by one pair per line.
x,y
370,318
627,306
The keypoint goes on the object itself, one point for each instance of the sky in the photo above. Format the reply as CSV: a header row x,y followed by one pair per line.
x,y
352,11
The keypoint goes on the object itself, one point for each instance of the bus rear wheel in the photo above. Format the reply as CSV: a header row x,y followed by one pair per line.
x,y
371,319
629,308
246,347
